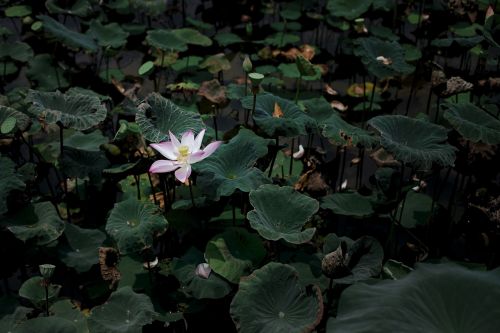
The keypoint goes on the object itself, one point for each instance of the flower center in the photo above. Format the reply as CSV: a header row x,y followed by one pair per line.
x,y
183,153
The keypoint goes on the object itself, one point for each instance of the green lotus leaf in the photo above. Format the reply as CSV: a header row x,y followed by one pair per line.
x,y
348,9
124,312
437,298
232,166
134,224
33,290
292,71
46,73
272,299
83,163
133,273
370,48
293,122
38,222
395,270
383,33
80,112
416,210
281,213
47,325
414,141
81,252
157,115
65,309
89,142
199,24
149,7
184,270
340,132
17,51
165,40
107,75
17,11
305,67
289,26
21,120
281,39
227,38
192,36
8,68
473,123
291,11
146,68
79,8
216,63
83,91
348,203
109,35
187,63
412,53
466,42
10,322
69,37
234,253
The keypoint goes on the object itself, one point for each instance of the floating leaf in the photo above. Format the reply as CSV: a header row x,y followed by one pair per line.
x,y
38,222
473,123
293,122
69,37
340,132
348,203
414,141
109,35
227,38
134,224
272,299
184,269
77,111
234,253
156,116
81,252
232,166
192,36
33,289
281,213
165,40
124,312
438,298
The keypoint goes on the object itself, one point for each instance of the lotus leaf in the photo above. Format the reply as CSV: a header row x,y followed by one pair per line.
x,y
184,269
165,40
340,132
48,75
124,312
437,298
89,142
272,299
414,141
21,120
69,37
234,253
157,115
77,111
83,163
348,9
216,63
109,35
81,252
65,309
192,36
227,38
17,51
293,122
134,224
232,166
348,203
473,123
281,213
416,210
33,290
47,325
370,50
38,222
79,8
11,321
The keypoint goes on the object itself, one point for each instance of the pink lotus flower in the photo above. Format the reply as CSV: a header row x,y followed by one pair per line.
x,y
182,154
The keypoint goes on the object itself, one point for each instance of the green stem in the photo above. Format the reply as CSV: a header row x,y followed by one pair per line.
x,y
274,158
47,298
297,88
191,193
291,156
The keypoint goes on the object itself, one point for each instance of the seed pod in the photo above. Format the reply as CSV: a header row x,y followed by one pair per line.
x,y
47,270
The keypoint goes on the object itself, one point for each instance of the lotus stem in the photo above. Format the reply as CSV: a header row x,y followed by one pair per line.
x,y
191,192
250,114
429,97
372,96
421,10
233,210
46,285
152,188
436,117
246,83
214,118
274,157
291,156
413,85
138,186
297,88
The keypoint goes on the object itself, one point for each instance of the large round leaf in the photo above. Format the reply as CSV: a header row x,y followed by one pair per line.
x,y
281,212
65,309
83,163
291,122
33,290
134,224
78,7
9,181
10,321
38,222
348,203
417,210
184,270
124,312
234,253
47,325
232,168
349,9
371,48
340,132
47,74
272,299
157,115
192,36
432,298
414,141
165,40
69,37
81,252
77,111
21,120
473,123
89,142
109,35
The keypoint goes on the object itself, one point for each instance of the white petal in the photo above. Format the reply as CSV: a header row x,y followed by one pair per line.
x,y
344,185
299,153
198,141
209,150
174,140
203,270
163,166
188,140
167,149
196,157
183,173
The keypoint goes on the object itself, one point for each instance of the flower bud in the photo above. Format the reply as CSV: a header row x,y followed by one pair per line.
x,y
247,64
